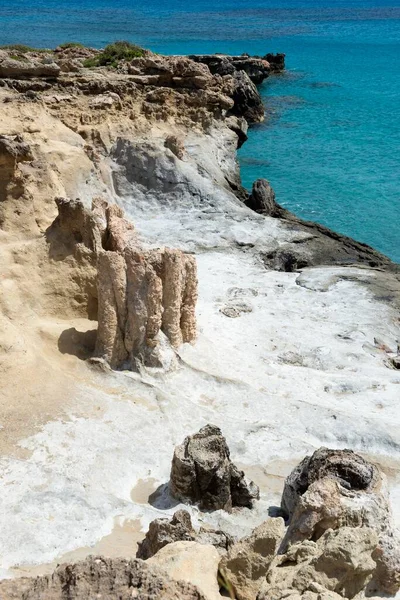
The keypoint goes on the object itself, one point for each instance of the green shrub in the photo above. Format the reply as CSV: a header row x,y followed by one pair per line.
x,y
67,45
23,48
114,53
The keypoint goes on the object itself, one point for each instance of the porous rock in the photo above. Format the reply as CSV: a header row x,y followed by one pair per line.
x,y
24,69
247,562
98,577
247,100
340,562
333,489
166,531
203,473
141,295
191,562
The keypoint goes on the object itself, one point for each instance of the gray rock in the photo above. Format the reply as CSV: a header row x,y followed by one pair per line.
x,y
25,69
203,473
180,529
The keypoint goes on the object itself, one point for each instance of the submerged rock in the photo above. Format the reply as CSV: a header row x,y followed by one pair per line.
x,y
203,473
99,577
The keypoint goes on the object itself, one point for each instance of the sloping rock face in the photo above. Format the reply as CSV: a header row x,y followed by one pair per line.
x,y
341,562
180,529
203,473
191,562
247,562
139,293
337,488
13,150
26,69
97,577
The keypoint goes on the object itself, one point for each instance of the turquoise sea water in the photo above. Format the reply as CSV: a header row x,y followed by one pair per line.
x,y
330,143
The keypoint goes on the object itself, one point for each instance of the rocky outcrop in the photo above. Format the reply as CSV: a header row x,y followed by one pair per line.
x,y
203,473
339,564
247,562
23,68
98,577
255,67
247,100
13,150
180,529
262,200
191,562
140,294
337,488
276,62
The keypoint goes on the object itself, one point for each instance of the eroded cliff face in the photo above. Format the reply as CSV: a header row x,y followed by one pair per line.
x,y
291,352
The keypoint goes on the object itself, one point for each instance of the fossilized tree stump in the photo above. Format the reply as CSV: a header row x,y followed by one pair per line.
x,y
142,294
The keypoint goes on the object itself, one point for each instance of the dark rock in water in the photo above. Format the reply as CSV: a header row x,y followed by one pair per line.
x,y
276,62
262,200
344,466
99,577
179,529
247,100
316,244
203,473
256,67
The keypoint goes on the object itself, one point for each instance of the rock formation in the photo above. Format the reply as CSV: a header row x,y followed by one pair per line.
x,y
21,68
140,294
203,473
179,529
247,562
256,67
337,488
339,564
98,577
13,150
191,562
262,200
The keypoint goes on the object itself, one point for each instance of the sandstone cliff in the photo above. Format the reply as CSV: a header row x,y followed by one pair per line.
x,y
297,328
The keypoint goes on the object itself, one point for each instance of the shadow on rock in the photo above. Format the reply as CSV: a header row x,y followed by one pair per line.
x,y
77,343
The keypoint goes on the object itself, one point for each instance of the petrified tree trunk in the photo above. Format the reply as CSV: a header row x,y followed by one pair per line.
x,y
140,293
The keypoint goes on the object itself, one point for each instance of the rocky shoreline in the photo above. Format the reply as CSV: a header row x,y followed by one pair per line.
x,y
146,293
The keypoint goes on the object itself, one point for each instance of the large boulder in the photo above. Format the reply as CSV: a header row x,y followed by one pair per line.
x,y
262,200
203,473
98,577
340,562
337,488
191,562
180,529
247,562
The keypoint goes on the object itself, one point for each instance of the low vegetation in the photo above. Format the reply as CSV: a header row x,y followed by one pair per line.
x,y
23,48
67,45
114,53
